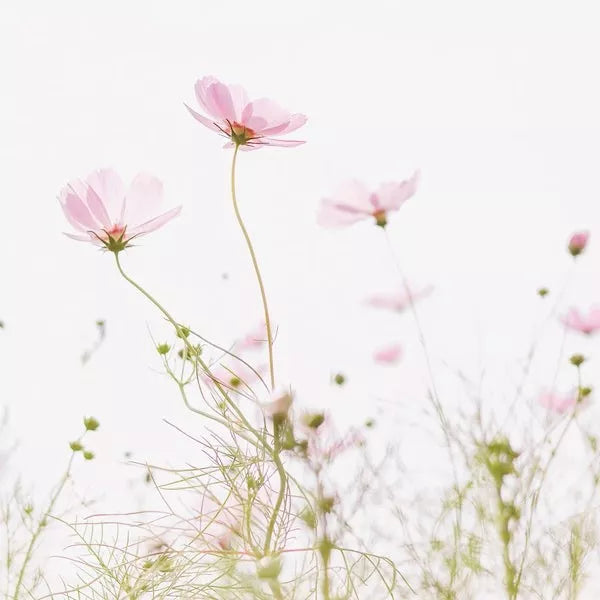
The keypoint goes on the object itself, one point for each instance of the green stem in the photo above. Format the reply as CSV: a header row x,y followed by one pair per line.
x,y
40,527
189,346
282,486
263,294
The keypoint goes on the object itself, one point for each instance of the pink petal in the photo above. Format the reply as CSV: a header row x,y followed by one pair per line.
x,y
204,120
154,223
219,98
391,196
389,355
283,143
201,88
110,190
296,121
144,197
265,116
78,213
332,214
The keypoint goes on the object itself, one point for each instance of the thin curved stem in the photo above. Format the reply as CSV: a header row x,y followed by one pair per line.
x,y
261,285
189,346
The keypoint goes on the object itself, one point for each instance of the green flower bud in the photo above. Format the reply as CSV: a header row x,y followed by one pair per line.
x,y
339,379
76,446
88,455
91,424
163,348
577,359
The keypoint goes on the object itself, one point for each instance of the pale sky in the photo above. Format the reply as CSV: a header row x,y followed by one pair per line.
x,y
496,103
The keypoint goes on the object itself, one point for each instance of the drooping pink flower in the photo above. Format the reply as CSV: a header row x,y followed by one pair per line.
x,y
578,242
279,403
585,323
248,124
388,355
399,301
354,202
107,214
563,403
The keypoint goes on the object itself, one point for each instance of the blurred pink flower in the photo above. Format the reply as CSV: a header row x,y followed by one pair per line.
x,y
109,215
235,374
578,242
253,340
353,202
399,301
389,355
561,403
279,404
587,324
249,124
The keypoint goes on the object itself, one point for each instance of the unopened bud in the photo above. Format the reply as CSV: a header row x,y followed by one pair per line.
x,y
76,446
577,359
163,348
91,424
88,455
578,242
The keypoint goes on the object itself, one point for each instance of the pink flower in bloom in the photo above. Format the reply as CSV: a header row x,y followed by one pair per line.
x,y
249,124
400,301
110,216
389,355
587,324
562,403
354,202
578,242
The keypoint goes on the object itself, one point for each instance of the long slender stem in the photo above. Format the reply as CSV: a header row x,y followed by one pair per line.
x,y
40,527
189,346
261,285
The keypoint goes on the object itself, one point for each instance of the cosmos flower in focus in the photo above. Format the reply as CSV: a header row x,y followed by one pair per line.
x,y
388,355
354,202
399,301
107,214
248,124
585,323
578,242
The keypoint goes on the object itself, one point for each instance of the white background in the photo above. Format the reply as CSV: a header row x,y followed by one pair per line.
x,y
496,102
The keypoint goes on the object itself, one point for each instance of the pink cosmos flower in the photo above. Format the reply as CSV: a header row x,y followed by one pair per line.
x,y
110,216
587,324
578,242
389,355
249,124
400,301
562,403
353,202
279,404
253,340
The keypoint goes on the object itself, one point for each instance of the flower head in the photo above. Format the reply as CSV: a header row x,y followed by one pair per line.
x,y
110,216
279,405
248,124
563,403
578,242
585,323
388,355
354,202
399,301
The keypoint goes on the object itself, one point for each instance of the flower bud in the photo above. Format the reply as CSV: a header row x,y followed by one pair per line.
x,y
76,446
313,420
88,455
339,379
578,242
577,359
163,348
543,292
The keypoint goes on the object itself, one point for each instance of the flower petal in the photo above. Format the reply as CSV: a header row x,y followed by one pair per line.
x,y
391,196
204,120
154,223
144,196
